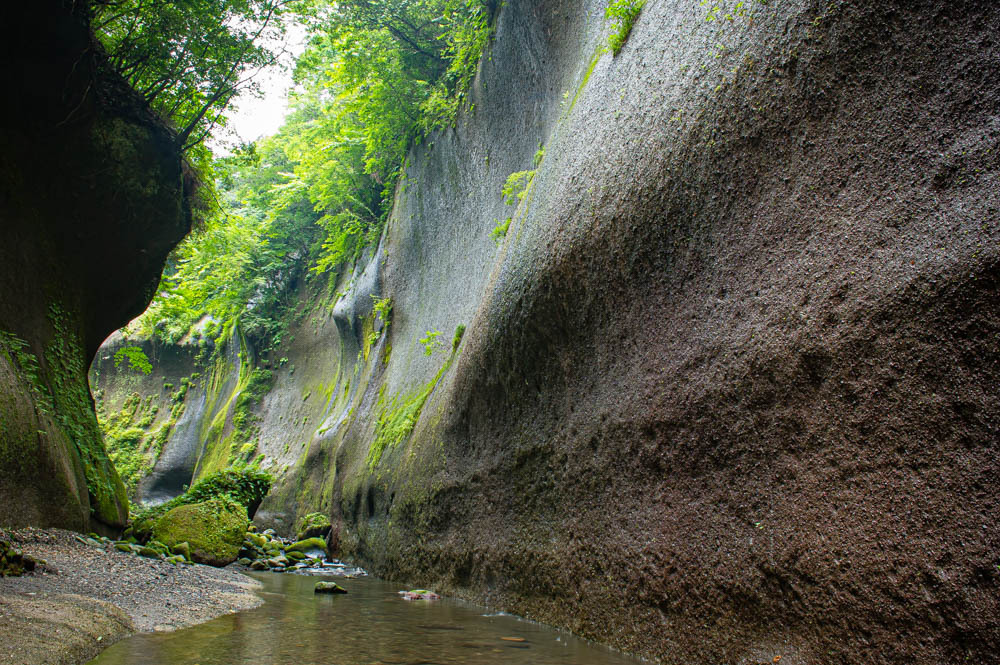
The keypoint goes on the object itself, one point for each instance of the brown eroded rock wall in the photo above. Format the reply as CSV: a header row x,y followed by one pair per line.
x,y
732,391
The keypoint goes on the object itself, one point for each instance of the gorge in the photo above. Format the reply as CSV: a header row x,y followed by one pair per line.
x,y
714,379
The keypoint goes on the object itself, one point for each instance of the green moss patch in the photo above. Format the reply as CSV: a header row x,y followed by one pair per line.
x,y
313,525
212,529
245,487
398,416
307,544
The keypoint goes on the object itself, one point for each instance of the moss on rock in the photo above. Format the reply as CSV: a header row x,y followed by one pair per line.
x,y
313,525
213,530
307,544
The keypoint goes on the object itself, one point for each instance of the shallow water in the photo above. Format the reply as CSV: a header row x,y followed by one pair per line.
x,y
370,625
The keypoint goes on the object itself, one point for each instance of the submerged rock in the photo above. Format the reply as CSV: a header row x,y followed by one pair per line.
x,y
419,594
213,530
328,587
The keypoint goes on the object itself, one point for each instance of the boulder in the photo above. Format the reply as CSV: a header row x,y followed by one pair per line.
x,y
212,529
308,545
328,587
14,563
184,549
313,525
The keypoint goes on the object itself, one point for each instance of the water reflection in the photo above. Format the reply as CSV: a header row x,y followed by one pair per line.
x,y
371,625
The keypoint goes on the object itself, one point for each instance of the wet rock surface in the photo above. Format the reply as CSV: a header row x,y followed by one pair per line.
x,y
267,551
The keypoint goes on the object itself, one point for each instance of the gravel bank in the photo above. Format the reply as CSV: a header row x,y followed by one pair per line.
x,y
88,598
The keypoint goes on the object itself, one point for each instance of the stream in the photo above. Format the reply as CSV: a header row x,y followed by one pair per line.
x,y
370,625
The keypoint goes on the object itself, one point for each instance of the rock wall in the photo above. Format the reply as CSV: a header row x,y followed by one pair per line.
x,y
727,386
91,200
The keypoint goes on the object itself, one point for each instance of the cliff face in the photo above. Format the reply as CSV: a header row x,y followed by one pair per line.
x,y
727,386
91,201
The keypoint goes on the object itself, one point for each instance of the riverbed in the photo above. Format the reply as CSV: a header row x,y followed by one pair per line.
x,y
370,625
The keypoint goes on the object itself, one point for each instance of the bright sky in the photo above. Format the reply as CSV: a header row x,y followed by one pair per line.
x,y
253,117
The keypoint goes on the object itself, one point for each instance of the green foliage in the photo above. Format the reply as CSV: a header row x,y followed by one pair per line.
x,y
457,339
396,420
514,190
397,417
623,13
245,486
517,186
66,392
240,265
136,357
382,307
132,447
431,343
539,156
188,59
375,77
499,231
717,11
244,421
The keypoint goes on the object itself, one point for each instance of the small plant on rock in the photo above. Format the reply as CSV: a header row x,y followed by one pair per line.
x,y
431,343
623,13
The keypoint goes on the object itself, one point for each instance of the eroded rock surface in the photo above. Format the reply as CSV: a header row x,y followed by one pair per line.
x,y
92,197
727,387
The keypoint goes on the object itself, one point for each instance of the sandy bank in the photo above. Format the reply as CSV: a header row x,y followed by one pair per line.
x,y
89,597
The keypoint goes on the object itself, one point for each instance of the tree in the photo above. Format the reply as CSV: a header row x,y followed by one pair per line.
x,y
189,58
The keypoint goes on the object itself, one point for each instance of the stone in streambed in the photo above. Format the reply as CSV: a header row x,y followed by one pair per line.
x,y
313,525
295,555
419,594
184,549
258,565
328,587
213,530
159,547
309,546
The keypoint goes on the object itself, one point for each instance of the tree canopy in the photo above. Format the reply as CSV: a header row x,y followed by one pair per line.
x,y
376,76
189,58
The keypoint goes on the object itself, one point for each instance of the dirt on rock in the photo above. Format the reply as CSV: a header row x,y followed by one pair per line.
x,y
86,598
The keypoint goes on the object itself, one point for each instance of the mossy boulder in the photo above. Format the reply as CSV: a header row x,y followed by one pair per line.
x,y
183,549
307,544
12,562
313,525
212,529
